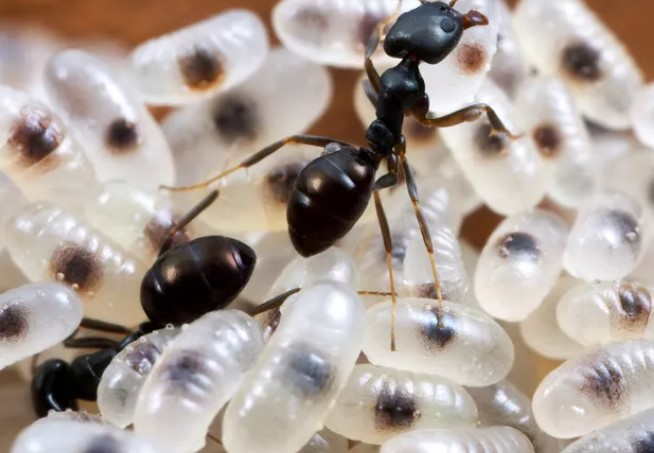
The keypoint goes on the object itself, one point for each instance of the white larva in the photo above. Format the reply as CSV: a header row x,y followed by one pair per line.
x,y
196,61
596,389
498,439
378,403
49,243
608,238
123,379
461,344
288,393
35,317
195,377
565,38
119,136
520,264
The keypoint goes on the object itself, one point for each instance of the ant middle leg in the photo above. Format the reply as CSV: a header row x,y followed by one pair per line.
x,y
466,114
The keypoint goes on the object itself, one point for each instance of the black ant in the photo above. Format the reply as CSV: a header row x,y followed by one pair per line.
x,y
332,191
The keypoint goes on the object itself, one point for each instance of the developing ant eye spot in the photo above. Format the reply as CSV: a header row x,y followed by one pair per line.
x,y
603,380
77,267
13,323
281,180
35,136
518,245
396,409
122,136
548,140
310,372
625,224
103,444
236,118
201,69
438,328
471,58
636,304
582,62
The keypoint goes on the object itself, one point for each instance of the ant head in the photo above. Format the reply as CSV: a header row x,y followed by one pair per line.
x,y
429,32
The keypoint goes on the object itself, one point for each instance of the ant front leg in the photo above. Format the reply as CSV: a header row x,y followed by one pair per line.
x,y
373,43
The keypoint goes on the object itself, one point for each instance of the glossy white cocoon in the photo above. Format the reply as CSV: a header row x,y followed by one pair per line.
x,y
629,435
520,264
508,66
234,124
377,403
598,313
452,276
200,59
286,396
565,38
642,115
596,389
607,239
453,83
138,220
498,439
46,435
123,379
541,331
509,175
37,152
35,317
49,243
463,344
197,374
558,132
633,175
502,404
118,134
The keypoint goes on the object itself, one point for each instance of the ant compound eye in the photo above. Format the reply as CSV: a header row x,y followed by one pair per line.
x,y
447,25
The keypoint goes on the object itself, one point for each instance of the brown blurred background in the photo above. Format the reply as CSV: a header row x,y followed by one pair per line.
x,y
133,21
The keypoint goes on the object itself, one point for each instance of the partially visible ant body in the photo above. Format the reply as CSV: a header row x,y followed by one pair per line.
x,y
332,192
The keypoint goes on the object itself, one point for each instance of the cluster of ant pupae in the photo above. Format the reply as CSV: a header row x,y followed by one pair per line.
x,y
379,339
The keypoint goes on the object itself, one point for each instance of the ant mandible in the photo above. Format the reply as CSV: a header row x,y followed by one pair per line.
x,y
332,192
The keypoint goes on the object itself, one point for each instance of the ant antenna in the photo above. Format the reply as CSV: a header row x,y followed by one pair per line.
x,y
452,3
188,218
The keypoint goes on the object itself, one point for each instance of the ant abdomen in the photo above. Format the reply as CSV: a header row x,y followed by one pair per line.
x,y
123,379
377,403
195,377
196,61
49,243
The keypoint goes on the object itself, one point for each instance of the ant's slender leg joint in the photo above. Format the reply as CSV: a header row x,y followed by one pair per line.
x,y
90,343
466,114
273,303
103,326
373,43
313,140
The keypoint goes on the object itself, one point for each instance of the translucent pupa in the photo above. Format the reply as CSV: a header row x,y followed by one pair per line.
x,y
565,38
35,317
205,135
123,379
598,313
541,331
71,436
287,395
520,263
37,152
596,389
195,377
138,220
502,404
498,439
200,59
633,434
119,136
633,175
642,115
377,403
607,239
554,124
508,174
461,343
49,243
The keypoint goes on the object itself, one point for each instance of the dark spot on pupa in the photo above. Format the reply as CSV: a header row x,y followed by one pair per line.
x,y
488,143
235,117
281,180
309,371
122,136
438,328
76,266
187,371
625,225
428,291
471,58
643,442
416,132
582,62
367,26
518,245
270,322
548,140
13,323
201,68
396,409
141,357
157,229
399,243
636,304
34,136
103,444
602,379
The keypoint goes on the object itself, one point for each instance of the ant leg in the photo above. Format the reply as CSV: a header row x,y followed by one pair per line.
x,y
373,43
103,326
313,140
466,114
89,343
273,303
412,188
